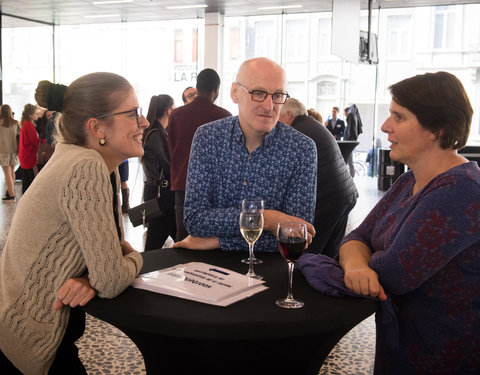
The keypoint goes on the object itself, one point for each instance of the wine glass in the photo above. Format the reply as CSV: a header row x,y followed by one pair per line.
x,y
292,242
252,206
251,227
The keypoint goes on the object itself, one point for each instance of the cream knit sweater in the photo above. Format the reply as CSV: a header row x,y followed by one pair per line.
x,y
62,225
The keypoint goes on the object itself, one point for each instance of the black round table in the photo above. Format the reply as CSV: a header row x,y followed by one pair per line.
x,y
252,336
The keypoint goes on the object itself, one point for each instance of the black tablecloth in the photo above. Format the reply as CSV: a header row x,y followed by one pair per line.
x,y
161,324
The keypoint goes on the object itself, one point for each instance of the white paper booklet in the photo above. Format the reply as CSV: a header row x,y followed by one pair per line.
x,y
200,282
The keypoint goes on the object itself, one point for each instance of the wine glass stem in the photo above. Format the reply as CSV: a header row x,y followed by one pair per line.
x,y
291,266
251,272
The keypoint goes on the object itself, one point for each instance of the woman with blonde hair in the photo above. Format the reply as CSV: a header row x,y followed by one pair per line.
x,y
8,150
74,249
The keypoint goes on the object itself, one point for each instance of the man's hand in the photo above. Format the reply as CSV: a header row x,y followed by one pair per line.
x,y
273,217
198,243
74,292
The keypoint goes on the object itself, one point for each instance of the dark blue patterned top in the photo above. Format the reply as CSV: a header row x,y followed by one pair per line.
x,y
221,173
426,251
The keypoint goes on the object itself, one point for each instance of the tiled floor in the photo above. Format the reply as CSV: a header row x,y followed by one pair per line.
x,y
106,350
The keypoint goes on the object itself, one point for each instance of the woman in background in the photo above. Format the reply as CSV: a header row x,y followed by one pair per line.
x,y
28,146
420,245
317,116
73,248
8,150
156,168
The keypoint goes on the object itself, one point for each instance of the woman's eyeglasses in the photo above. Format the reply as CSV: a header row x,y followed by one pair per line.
x,y
137,113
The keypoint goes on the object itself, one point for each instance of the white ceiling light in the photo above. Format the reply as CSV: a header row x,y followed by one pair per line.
x,y
187,6
112,2
281,7
103,16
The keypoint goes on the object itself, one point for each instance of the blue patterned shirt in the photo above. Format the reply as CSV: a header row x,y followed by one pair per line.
x,y
282,171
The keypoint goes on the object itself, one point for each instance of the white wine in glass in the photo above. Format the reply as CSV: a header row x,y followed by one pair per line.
x,y
251,227
252,206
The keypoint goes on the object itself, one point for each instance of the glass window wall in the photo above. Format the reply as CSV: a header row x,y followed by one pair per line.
x,y
165,57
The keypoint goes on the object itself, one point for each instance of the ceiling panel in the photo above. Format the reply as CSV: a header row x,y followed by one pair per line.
x,y
70,12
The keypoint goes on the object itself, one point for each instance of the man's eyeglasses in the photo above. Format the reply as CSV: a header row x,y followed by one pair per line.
x,y
137,113
260,95
192,94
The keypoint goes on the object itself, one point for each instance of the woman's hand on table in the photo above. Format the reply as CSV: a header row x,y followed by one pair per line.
x,y
74,292
364,281
273,217
198,243
359,277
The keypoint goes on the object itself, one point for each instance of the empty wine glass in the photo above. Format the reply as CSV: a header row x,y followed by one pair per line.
x,y
252,206
292,242
251,227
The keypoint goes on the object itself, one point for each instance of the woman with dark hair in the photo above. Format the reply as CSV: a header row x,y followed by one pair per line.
x,y
28,145
8,150
420,245
74,249
156,167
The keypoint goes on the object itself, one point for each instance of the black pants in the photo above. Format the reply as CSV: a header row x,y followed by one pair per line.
x,y
66,360
27,178
179,202
159,229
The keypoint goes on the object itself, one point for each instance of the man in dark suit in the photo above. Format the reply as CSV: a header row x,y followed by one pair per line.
x,y
335,125
336,191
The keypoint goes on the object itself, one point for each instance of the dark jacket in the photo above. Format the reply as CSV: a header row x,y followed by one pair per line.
x,y
156,157
336,129
354,124
336,191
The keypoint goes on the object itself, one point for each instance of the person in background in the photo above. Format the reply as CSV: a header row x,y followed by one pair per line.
x,y
43,117
317,116
336,191
335,125
354,123
182,124
352,131
28,145
189,94
420,245
251,155
8,150
156,168
50,95
44,150
74,248
123,172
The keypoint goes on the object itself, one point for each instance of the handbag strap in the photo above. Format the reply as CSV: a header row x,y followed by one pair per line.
x,y
159,184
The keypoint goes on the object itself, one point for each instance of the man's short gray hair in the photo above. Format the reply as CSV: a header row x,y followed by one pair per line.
x,y
295,106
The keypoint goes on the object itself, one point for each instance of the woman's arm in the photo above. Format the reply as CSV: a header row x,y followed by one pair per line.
x,y
359,277
74,292
157,145
87,205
